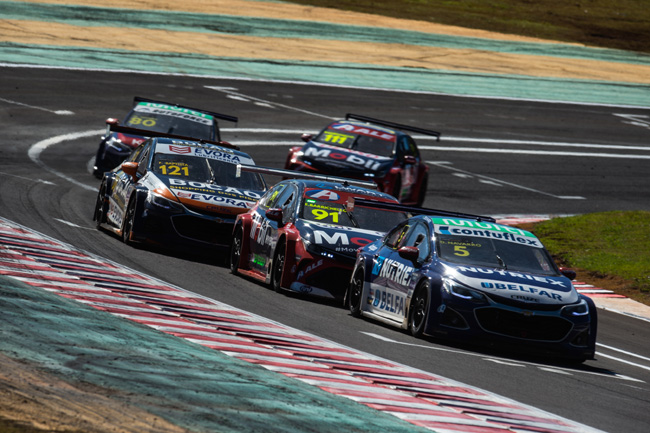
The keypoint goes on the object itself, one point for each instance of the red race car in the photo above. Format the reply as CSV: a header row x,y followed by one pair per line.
x,y
303,235
361,147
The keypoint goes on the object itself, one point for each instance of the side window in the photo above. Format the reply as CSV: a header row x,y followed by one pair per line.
x,y
396,235
143,160
136,153
287,202
418,236
269,199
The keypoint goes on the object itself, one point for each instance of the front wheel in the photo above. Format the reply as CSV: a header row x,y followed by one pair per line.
x,y
127,225
356,292
100,207
278,267
422,192
235,251
419,310
397,189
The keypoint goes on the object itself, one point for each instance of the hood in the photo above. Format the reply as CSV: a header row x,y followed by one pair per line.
x,y
518,286
335,239
340,160
204,197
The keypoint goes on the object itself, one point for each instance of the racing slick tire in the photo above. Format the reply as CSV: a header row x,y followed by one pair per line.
x,y
419,310
278,266
127,225
356,292
235,251
100,207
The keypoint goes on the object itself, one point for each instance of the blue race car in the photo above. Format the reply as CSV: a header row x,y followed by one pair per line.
x,y
465,277
177,193
156,116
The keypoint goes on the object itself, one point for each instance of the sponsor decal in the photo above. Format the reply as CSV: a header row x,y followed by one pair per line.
x,y
309,269
169,110
497,286
360,130
487,230
323,194
366,161
340,240
387,301
213,152
185,185
210,198
180,149
392,270
555,283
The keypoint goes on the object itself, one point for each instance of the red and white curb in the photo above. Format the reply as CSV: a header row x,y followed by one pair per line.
x,y
415,396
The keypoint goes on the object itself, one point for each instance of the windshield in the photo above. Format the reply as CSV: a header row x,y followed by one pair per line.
x,y
205,170
379,144
379,220
171,125
477,251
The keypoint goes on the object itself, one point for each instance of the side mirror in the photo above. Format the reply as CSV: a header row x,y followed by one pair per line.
x,y
569,273
410,159
409,253
130,168
275,215
306,137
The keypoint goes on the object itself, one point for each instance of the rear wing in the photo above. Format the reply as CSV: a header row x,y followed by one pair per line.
x,y
414,210
110,127
302,175
393,125
200,110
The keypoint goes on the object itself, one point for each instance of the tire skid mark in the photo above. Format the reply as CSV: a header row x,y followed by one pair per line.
x,y
417,397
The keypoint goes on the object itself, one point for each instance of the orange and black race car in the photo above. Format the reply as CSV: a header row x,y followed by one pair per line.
x,y
177,193
361,147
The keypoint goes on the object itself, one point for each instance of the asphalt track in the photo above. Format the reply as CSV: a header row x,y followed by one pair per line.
x,y
535,158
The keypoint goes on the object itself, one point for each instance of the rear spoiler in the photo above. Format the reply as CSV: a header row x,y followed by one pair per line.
x,y
110,127
211,113
392,125
303,175
414,210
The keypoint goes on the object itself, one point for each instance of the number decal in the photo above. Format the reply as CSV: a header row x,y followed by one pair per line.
x,y
321,214
461,251
144,121
174,170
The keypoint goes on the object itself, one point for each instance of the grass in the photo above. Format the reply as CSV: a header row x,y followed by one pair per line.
x,y
611,249
619,24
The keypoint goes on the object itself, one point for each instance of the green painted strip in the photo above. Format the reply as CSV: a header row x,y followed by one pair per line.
x,y
276,28
410,79
184,383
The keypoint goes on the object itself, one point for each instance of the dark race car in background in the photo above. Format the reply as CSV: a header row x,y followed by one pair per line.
x,y
303,235
375,150
468,278
157,116
178,194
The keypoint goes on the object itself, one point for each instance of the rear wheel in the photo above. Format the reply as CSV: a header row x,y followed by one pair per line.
x,y
278,267
235,251
419,310
356,292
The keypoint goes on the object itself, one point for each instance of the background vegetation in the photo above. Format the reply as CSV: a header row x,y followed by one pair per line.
x,y
620,24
